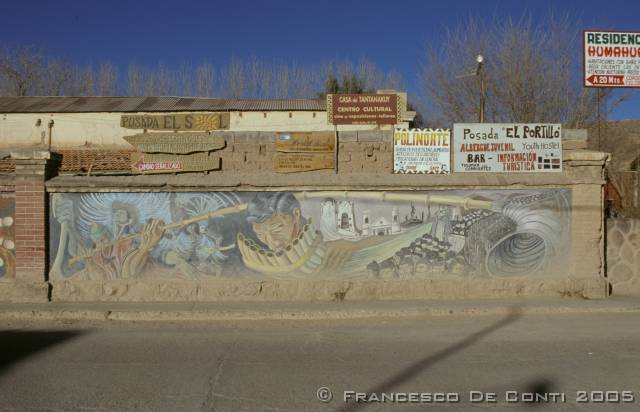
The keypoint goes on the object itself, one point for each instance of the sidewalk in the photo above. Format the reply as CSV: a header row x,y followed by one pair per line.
x,y
128,311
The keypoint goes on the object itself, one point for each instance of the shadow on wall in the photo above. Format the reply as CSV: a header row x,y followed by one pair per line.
x,y
20,344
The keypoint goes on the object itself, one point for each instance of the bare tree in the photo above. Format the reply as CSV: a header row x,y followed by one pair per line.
x,y
183,80
135,82
205,79
234,79
21,69
56,79
164,83
530,72
28,71
107,79
84,83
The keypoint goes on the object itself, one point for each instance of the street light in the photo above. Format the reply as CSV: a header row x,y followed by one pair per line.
x,y
480,60
478,73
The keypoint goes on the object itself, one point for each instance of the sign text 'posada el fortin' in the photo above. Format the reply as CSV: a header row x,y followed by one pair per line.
x,y
304,151
177,121
611,58
367,108
507,147
421,151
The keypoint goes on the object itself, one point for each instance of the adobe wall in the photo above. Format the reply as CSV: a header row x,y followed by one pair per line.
x,y
571,200
456,236
103,129
623,256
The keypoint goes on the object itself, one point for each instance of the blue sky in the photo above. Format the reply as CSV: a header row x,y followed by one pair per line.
x,y
394,34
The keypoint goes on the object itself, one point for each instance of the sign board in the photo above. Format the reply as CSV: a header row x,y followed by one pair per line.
x,y
172,163
422,151
367,108
302,162
611,58
507,147
185,142
179,121
315,142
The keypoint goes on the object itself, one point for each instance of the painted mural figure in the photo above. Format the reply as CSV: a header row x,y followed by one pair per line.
x,y
7,236
122,257
294,247
360,235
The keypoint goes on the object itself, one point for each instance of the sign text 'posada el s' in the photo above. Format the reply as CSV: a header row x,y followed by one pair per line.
x,y
507,147
421,151
177,121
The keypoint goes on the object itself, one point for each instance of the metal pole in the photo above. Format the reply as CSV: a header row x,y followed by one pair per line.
x,y
599,97
336,148
481,109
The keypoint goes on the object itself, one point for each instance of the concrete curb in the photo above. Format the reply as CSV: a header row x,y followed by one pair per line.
x,y
310,311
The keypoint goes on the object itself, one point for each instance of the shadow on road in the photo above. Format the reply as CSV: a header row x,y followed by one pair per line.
x,y
424,364
16,345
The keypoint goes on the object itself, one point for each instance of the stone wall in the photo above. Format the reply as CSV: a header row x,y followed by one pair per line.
x,y
580,274
365,166
368,151
623,256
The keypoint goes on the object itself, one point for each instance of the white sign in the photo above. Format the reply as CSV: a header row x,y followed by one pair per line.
x,y
422,151
507,147
611,58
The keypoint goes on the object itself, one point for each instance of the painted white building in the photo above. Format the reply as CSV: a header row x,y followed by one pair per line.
x,y
81,121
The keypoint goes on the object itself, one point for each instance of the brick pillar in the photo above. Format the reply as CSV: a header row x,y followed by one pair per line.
x,y
30,226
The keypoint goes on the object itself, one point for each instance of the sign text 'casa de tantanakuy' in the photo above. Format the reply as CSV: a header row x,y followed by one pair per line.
x,y
421,151
611,58
366,108
507,147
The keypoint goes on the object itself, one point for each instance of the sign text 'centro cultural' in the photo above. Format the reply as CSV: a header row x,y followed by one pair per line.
x,y
611,59
421,151
507,147
362,108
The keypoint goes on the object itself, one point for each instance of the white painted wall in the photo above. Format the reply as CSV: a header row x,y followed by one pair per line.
x,y
79,129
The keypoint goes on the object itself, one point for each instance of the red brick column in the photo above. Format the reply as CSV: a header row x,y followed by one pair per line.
x,y
30,226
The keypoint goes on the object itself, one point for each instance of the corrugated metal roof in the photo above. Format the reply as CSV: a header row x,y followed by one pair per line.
x,y
93,104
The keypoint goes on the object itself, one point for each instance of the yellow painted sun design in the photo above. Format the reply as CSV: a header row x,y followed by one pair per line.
x,y
206,122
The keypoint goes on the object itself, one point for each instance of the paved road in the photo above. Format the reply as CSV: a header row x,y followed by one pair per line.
x,y
279,365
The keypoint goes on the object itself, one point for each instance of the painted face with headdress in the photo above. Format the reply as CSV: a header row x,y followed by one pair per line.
x,y
276,219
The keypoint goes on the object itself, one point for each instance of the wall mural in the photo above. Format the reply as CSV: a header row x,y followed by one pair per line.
x,y
300,235
7,236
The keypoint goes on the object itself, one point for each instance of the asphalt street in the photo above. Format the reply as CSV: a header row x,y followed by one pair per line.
x,y
269,365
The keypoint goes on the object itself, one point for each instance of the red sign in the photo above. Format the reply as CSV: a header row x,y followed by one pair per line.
x,y
606,80
363,108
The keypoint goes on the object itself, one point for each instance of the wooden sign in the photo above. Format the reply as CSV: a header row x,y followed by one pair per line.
x,y
302,162
175,142
314,142
178,121
363,109
507,147
172,163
